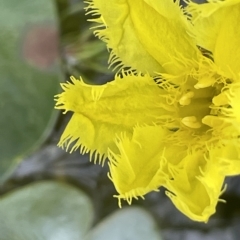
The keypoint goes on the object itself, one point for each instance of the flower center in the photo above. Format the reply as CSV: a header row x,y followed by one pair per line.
x,y
195,104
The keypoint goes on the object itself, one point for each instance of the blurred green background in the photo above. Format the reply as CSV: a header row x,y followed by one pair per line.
x,y
42,42
45,194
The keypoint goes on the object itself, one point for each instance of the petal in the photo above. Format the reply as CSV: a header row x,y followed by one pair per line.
x,y
117,30
196,186
207,19
227,49
145,35
229,157
165,34
139,168
216,27
101,112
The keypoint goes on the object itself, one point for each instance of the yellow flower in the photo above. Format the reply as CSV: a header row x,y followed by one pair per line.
x,y
172,119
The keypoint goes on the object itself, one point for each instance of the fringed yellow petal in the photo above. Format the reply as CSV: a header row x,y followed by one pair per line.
x,y
227,48
215,25
229,157
101,112
207,19
145,35
115,27
164,33
196,186
138,169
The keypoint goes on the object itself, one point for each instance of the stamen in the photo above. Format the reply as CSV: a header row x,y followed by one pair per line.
x,y
191,122
205,82
186,98
213,121
220,99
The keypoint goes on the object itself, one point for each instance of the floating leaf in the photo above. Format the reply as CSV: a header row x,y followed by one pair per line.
x,y
131,223
45,210
30,70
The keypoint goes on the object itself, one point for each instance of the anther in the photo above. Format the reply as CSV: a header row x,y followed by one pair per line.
x,y
191,122
186,98
220,99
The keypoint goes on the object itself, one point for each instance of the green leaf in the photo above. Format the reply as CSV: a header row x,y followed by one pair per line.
x,y
129,223
45,211
29,77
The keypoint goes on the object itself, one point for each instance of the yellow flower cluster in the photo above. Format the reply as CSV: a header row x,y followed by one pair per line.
x,y
171,119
